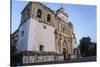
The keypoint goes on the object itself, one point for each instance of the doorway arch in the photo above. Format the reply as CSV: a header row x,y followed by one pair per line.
x,y
64,45
64,49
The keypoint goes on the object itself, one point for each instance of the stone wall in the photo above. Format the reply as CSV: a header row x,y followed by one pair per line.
x,y
36,57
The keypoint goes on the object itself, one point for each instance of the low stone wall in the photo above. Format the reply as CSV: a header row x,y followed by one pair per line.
x,y
36,57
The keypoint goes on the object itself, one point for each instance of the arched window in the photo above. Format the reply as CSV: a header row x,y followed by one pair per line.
x,y
48,18
39,13
41,48
22,33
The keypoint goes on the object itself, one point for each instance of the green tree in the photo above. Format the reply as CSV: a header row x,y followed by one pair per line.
x,y
87,47
14,56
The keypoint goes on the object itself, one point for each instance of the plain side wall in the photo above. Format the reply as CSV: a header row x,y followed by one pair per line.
x,y
38,35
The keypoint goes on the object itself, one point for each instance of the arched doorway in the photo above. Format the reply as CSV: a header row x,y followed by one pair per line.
x,y
64,53
64,50
41,47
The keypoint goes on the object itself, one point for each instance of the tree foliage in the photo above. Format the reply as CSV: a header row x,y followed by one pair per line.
x,y
14,56
87,47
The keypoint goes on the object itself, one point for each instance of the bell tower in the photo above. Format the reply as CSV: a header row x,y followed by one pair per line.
x,y
61,14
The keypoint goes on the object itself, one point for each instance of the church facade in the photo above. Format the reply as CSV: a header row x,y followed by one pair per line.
x,y
44,30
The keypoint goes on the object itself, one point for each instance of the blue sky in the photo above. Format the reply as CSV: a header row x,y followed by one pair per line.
x,y
83,17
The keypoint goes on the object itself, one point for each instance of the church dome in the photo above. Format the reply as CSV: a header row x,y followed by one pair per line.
x,y
61,10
